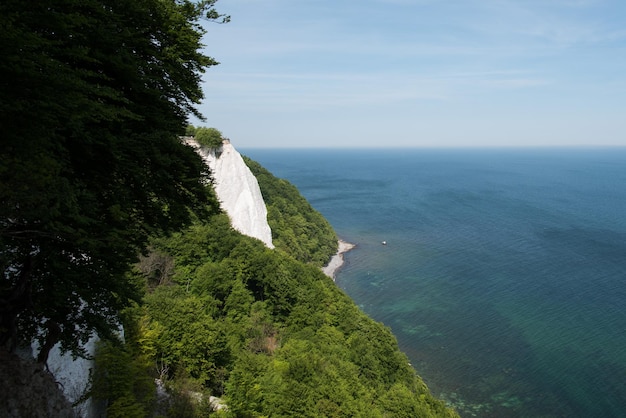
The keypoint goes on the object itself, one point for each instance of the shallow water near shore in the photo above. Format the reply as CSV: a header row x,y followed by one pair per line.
x,y
504,273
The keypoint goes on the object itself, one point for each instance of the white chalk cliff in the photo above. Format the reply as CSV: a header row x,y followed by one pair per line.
x,y
237,190
73,375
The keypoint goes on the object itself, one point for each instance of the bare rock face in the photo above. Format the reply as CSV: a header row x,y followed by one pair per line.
x,y
238,191
72,374
28,390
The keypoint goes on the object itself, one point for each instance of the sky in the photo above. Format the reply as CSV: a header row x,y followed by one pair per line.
x,y
417,73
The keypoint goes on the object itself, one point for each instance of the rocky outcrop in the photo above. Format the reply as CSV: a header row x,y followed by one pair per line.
x,y
43,396
71,377
237,190
72,374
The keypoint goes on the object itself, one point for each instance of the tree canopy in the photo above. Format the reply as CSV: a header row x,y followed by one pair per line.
x,y
297,228
268,333
93,96
208,137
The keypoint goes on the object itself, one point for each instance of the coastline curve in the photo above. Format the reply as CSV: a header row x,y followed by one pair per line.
x,y
337,260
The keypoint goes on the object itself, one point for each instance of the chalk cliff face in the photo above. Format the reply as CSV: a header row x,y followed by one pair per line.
x,y
238,191
73,375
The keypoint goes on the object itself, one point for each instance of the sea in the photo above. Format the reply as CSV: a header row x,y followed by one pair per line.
x,y
502,272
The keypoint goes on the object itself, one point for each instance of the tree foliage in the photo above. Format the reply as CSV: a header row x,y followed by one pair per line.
x,y
190,130
271,334
93,95
297,228
208,137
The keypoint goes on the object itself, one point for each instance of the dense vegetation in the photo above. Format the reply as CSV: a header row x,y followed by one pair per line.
x,y
207,137
297,228
93,96
273,336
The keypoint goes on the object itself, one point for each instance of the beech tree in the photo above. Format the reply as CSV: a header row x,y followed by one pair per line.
x,y
93,96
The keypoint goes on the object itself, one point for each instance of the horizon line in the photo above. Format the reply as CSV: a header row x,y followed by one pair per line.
x,y
432,147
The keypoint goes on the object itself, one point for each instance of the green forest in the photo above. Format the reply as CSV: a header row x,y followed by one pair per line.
x,y
265,330
297,229
108,219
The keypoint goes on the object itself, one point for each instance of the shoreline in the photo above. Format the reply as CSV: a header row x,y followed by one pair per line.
x,y
337,260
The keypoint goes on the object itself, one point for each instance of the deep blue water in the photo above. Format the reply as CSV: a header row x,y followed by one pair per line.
x,y
504,273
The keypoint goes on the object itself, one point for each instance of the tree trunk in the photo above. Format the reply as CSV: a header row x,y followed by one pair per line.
x,y
52,337
12,302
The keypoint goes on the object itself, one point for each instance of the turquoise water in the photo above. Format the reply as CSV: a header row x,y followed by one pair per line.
x,y
504,273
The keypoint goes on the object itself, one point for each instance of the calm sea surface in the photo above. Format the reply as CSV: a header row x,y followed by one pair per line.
x,y
504,273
